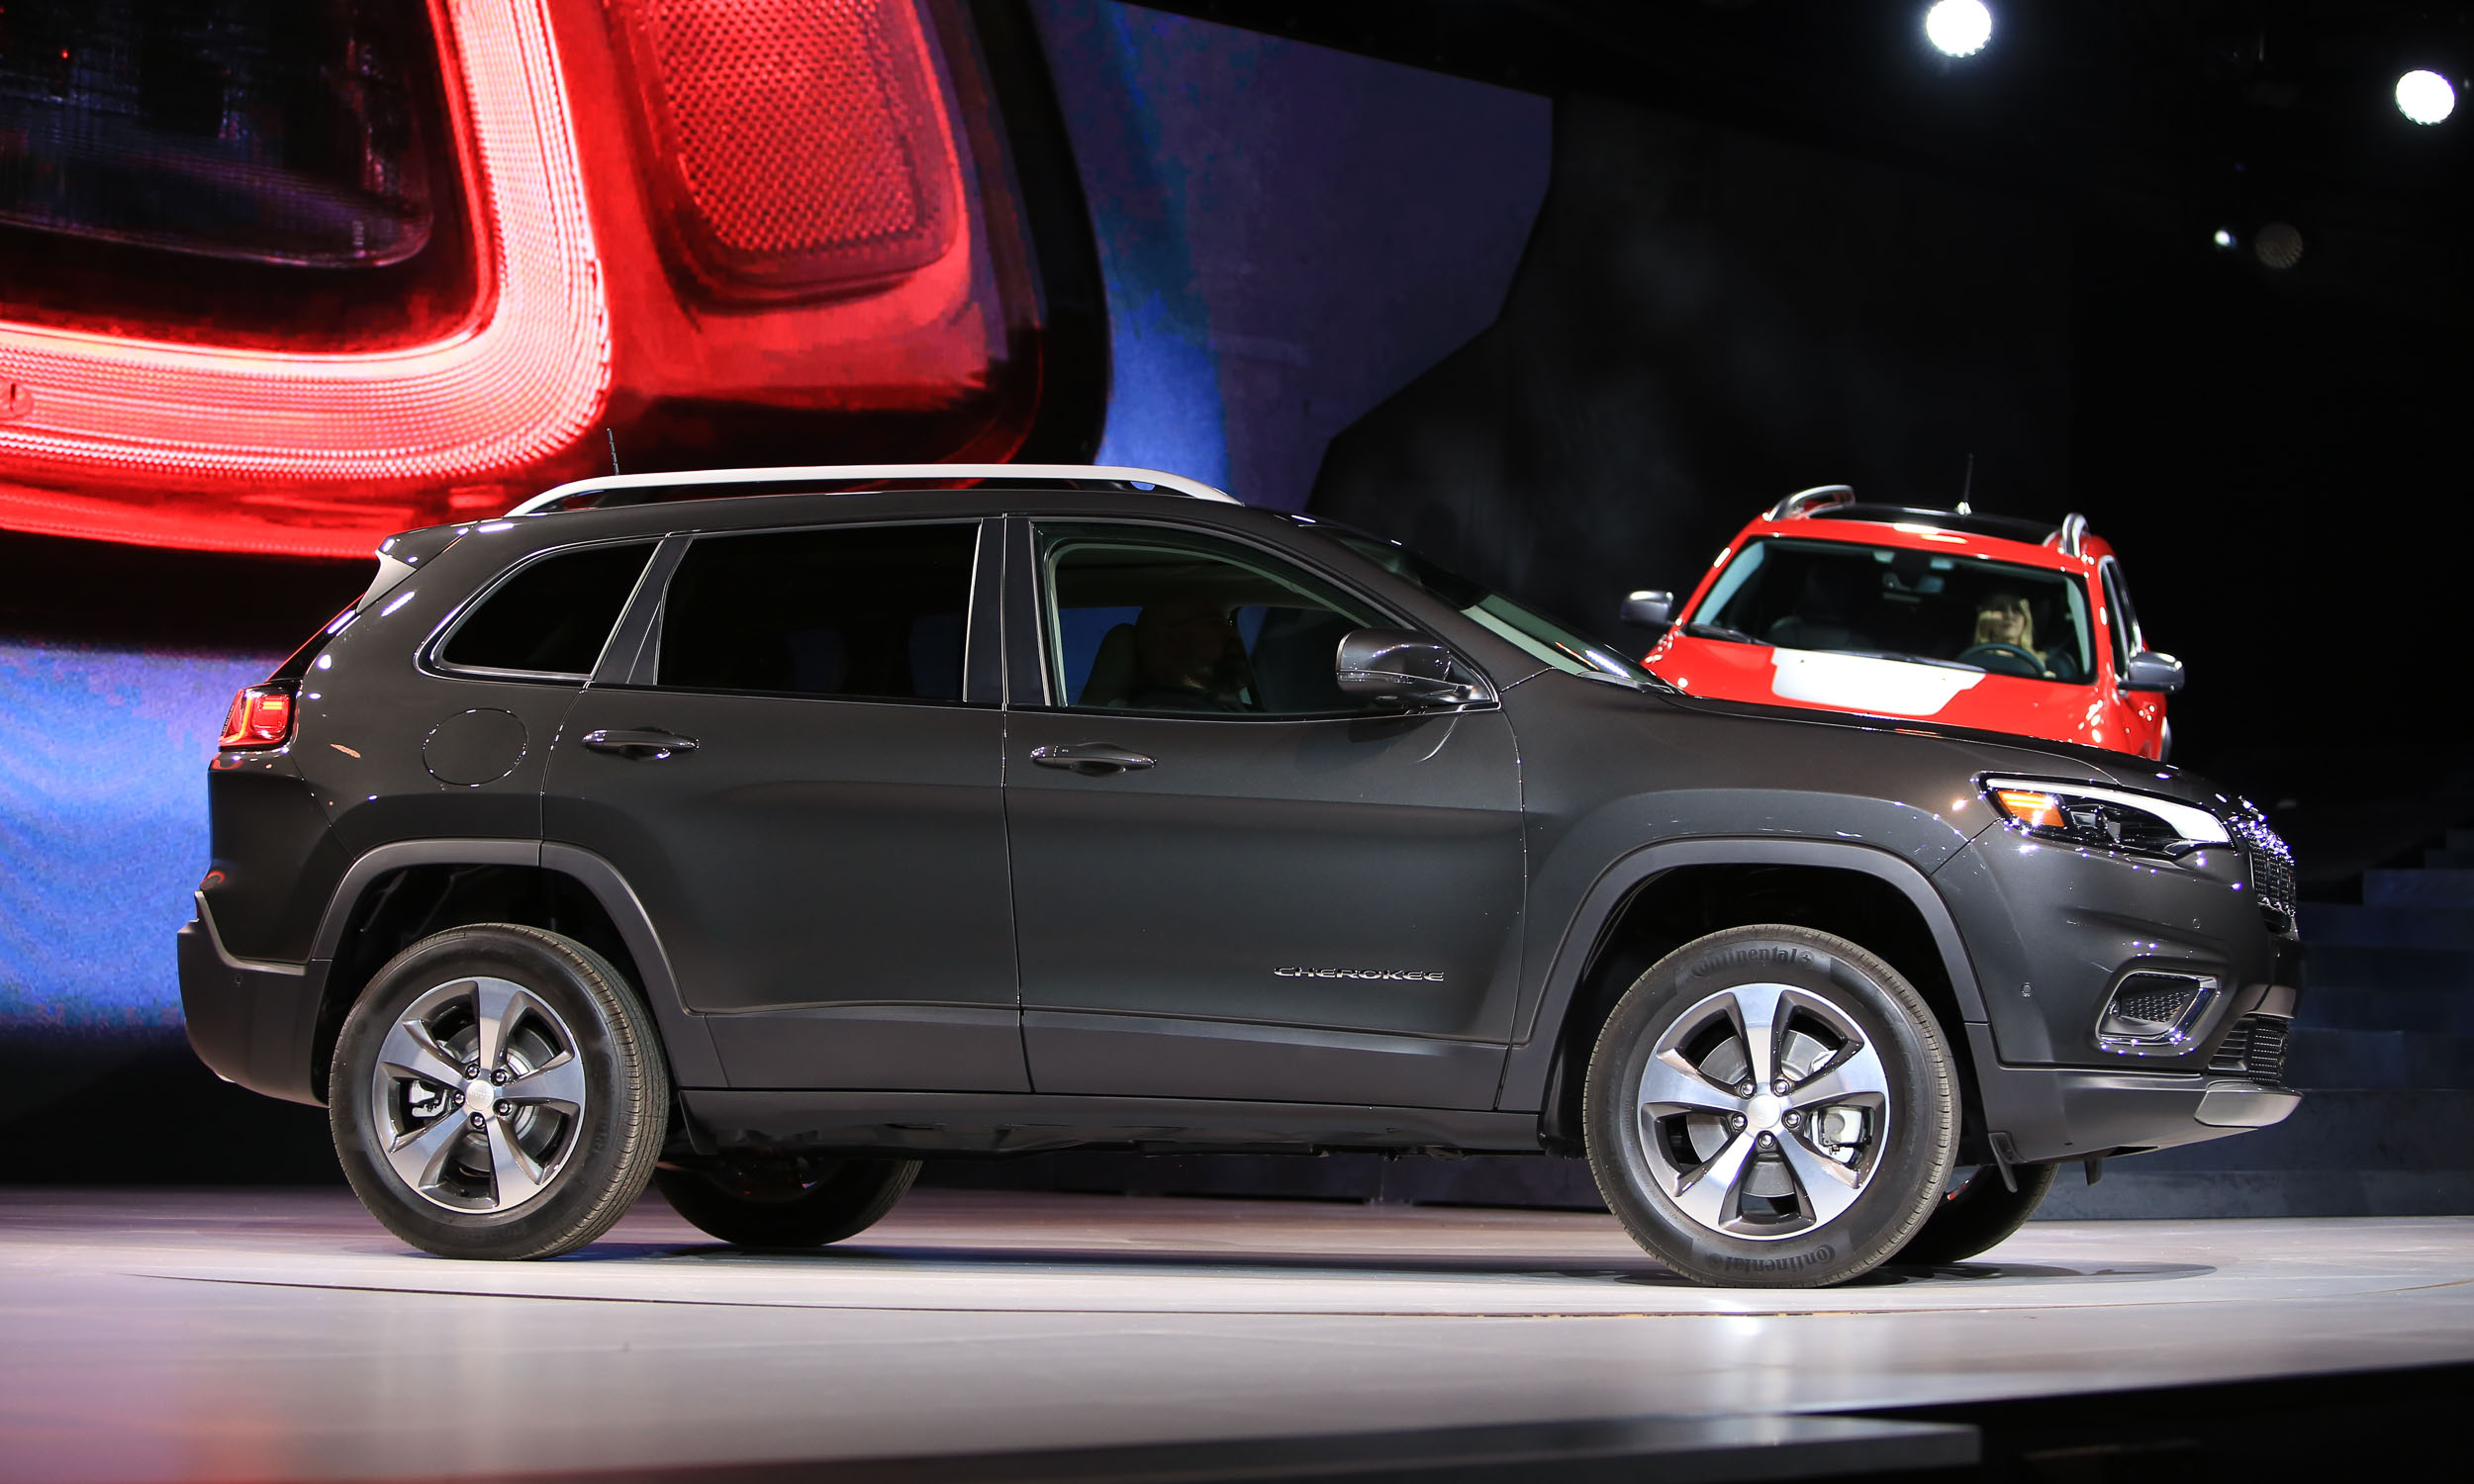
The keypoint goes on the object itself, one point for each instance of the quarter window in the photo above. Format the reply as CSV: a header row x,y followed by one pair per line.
x,y
874,611
552,616
1160,621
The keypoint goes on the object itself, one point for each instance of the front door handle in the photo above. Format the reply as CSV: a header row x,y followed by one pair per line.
x,y
642,745
1090,759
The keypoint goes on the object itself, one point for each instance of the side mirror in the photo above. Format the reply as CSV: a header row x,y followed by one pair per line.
x,y
1652,608
1402,666
2150,670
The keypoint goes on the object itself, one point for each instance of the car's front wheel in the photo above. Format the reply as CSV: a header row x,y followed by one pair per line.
x,y
786,1200
497,1091
1771,1107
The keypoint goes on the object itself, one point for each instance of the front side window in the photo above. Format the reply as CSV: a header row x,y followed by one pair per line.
x,y
1891,602
552,616
873,612
1160,621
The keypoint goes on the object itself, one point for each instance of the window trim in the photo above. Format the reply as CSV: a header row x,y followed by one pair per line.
x,y
429,658
641,624
1028,650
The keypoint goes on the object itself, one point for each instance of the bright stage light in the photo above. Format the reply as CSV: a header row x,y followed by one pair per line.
x,y
1961,28
2222,238
2426,96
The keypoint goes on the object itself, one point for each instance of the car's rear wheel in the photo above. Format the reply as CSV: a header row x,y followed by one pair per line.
x,y
497,1091
1977,1213
1772,1107
788,1200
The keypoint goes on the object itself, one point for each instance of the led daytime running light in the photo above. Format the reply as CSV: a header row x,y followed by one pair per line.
x,y
2046,809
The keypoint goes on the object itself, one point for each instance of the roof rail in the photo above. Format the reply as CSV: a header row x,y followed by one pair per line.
x,y
1805,502
584,493
2071,536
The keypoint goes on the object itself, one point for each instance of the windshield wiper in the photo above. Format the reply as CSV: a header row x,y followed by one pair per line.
x,y
1719,631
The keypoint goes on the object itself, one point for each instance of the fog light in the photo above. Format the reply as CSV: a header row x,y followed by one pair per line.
x,y
2155,1013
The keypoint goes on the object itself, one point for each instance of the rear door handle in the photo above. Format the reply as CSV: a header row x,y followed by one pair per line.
x,y
1090,759
644,745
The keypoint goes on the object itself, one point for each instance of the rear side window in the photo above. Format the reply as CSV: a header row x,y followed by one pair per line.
x,y
552,616
874,612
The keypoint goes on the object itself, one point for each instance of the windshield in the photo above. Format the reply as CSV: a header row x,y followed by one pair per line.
x,y
1896,604
1537,635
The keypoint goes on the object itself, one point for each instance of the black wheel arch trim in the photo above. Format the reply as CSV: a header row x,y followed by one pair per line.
x,y
693,1060
1527,1070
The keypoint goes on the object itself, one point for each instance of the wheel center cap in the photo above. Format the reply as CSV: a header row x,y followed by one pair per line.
x,y
479,1096
1762,1112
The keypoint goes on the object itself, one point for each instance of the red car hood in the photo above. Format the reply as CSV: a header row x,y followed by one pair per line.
x,y
1821,681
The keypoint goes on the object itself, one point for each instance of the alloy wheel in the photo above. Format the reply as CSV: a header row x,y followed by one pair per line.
x,y
478,1095
1764,1111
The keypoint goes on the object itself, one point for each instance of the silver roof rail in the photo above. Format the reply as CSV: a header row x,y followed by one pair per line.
x,y
2072,535
1805,502
1174,484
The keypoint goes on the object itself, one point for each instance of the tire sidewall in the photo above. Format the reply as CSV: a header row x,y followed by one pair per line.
x,y
1922,1136
623,1078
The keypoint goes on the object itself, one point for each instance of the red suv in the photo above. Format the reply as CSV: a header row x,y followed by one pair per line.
x,y
1984,622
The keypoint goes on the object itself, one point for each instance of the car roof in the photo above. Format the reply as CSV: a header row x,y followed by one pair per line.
x,y
1831,512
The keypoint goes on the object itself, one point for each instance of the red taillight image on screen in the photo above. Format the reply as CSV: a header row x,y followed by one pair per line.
x,y
285,278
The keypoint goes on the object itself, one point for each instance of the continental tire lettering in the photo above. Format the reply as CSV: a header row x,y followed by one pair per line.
x,y
1812,1258
1414,976
1760,954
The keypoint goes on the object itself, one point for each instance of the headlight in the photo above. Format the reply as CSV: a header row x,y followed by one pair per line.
x,y
2104,818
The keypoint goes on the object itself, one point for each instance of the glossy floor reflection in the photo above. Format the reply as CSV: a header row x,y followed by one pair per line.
x,y
193,1335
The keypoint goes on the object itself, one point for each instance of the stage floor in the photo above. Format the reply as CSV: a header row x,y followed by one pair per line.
x,y
282,1335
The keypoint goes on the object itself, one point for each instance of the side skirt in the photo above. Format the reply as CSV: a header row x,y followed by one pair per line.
x,y
943,1123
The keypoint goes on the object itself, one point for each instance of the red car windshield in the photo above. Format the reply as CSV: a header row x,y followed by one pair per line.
x,y
1901,604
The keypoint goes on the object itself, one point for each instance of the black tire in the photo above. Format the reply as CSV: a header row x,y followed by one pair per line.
x,y
574,1126
1861,1140
1977,1214
788,1201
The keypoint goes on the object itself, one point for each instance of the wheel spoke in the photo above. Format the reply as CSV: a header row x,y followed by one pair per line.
x,y
1756,1009
559,1081
496,1005
1859,1073
512,1173
411,1051
421,1156
1670,1081
1826,1186
1710,1194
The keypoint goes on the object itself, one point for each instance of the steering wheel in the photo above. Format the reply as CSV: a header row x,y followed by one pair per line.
x,y
2007,655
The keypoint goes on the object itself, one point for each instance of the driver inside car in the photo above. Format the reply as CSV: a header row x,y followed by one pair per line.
x,y
2006,626
1189,657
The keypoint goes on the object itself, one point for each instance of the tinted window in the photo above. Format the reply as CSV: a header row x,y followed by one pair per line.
x,y
875,612
552,616
1171,623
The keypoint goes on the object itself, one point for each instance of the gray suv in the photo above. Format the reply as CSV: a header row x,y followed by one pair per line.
x,y
760,834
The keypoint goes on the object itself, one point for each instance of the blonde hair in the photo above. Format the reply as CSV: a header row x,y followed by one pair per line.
x,y
2006,602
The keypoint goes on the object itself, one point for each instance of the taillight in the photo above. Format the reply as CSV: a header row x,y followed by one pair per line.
x,y
260,717
380,264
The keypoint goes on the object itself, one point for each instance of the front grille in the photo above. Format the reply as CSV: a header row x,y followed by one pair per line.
x,y
2255,1048
2271,867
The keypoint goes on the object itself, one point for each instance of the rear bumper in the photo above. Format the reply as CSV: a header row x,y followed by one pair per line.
x,y
2050,1113
251,1021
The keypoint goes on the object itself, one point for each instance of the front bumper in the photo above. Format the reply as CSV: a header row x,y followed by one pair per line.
x,y
252,1022
2039,1114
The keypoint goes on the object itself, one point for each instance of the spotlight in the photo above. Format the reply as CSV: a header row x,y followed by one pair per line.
x,y
1958,28
2426,96
2222,238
